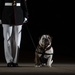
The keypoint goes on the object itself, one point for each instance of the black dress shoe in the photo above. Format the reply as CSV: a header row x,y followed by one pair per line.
x,y
10,64
15,64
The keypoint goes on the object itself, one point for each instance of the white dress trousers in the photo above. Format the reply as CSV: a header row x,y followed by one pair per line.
x,y
12,39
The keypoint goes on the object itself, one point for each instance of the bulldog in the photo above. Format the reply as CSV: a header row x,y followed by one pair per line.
x,y
44,52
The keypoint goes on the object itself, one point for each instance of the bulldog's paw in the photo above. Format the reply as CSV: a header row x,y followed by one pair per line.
x,y
50,64
38,65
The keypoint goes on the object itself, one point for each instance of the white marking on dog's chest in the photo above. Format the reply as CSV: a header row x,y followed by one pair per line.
x,y
49,51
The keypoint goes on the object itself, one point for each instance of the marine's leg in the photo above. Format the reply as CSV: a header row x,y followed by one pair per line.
x,y
7,31
17,30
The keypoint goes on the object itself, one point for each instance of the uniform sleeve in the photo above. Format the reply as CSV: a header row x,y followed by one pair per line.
x,y
1,8
24,8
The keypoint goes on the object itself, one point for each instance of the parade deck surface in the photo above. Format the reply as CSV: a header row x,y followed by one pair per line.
x,y
30,69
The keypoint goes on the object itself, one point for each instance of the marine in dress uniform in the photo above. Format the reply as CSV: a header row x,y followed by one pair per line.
x,y
13,13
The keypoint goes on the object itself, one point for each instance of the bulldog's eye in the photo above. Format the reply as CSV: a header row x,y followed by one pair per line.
x,y
43,38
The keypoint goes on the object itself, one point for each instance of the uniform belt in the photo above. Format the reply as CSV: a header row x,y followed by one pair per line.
x,y
12,4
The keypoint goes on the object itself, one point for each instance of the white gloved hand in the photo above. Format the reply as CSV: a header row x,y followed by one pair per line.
x,y
25,20
0,21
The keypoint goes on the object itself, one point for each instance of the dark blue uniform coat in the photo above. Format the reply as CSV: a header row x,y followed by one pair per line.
x,y
13,15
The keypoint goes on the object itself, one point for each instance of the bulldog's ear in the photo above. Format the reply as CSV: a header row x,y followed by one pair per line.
x,y
50,37
40,37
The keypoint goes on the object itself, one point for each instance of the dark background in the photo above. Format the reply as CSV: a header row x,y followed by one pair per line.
x,y
55,18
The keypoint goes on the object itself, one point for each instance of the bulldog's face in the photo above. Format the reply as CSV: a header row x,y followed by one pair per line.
x,y
45,40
